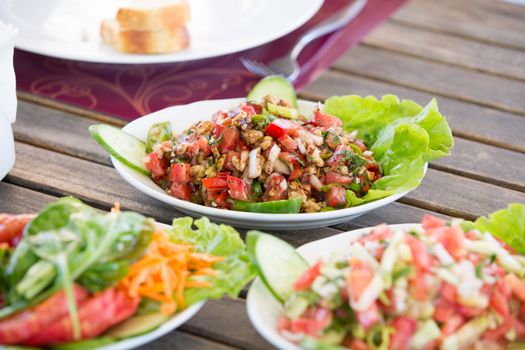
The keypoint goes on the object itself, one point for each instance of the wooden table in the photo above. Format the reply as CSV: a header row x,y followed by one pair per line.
x,y
468,54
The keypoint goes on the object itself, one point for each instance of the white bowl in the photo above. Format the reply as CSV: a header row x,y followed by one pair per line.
x,y
264,311
182,117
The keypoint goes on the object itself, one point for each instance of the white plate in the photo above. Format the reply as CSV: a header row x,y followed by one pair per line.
x,y
70,28
264,311
181,118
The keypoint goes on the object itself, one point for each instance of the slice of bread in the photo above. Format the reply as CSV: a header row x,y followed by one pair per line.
x,y
154,14
143,41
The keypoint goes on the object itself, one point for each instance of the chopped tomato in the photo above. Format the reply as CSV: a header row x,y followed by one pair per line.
x,y
249,109
308,277
287,143
422,258
325,120
37,319
334,178
357,344
215,183
276,188
451,324
95,314
336,197
238,188
500,331
452,239
291,159
155,165
180,191
517,285
369,318
280,127
204,146
228,137
420,288
220,198
359,277
404,328
12,227
444,310
296,173
180,173
430,221
313,321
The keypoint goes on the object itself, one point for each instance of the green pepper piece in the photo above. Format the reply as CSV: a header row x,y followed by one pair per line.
x,y
158,133
257,189
276,207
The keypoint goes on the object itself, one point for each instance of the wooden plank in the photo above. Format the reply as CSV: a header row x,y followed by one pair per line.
x,y
467,120
459,83
19,200
182,340
449,49
496,22
101,184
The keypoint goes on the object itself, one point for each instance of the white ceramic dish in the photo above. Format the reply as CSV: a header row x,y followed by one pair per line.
x,y
264,311
181,118
70,28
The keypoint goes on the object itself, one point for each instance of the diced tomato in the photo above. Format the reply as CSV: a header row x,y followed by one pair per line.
x,y
228,137
357,344
500,331
95,314
517,285
335,160
180,173
336,197
452,240
204,146
308,277
430,221
359,277
296,173
448,292
499,303
12,227
37,319
291,159
334,178
228,163
155,165
419,286
287,143
313,321
422,258
325,120
276,188
249,109
379,233
220,198
238,188
280,127
284,324
469,312
451,324
369,318
215,183
180,191
404,328
444,310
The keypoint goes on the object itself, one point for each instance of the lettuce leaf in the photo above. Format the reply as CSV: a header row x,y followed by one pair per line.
x,y
235,271
402,134
507,224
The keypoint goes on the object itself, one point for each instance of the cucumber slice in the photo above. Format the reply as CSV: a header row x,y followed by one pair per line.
x,y
285,206
84,344
278,264
276,86
137,325
121,145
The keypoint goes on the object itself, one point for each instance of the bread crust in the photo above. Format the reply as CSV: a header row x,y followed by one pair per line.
x,y
165,17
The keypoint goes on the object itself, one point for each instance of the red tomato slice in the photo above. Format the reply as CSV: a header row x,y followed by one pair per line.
x,y
308,277
444,310
369,318
452,323
359,277
404,328
334,178
430,221
287,143
249,109
517,285
422,258
180,191
37,319
280,127
180,173
12,226
215,183
96,315
238,188
155,165
336,197
326,121
229,137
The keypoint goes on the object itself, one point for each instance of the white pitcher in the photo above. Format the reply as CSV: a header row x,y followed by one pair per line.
x,y
7,98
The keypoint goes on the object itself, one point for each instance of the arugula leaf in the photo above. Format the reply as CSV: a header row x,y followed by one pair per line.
x,y
402,134
235,271
507,224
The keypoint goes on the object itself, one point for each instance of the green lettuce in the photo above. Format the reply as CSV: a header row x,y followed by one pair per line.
x,y
235,271
402,134
507,224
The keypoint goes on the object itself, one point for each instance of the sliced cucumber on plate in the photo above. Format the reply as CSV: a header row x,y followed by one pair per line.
x,y
278,264
274,85
137,325
126,148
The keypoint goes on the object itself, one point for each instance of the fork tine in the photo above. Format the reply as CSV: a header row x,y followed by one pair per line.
x,y
255,67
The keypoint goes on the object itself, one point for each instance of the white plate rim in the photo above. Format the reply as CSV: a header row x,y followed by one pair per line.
x,y
125,172
59,49
311,252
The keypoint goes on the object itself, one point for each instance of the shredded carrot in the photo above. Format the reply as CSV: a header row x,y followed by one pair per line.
x,y
165,270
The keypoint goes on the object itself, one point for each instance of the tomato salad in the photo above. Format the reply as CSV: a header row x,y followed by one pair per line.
x,y
438,287
72,277
262,157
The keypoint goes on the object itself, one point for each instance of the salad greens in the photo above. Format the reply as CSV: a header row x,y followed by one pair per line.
x,y
235,271
402,134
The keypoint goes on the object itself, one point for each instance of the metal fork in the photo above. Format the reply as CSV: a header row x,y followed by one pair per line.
x,y
287,65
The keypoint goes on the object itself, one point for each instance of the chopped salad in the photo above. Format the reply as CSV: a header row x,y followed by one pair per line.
x,y
72,277
258,153
446,285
